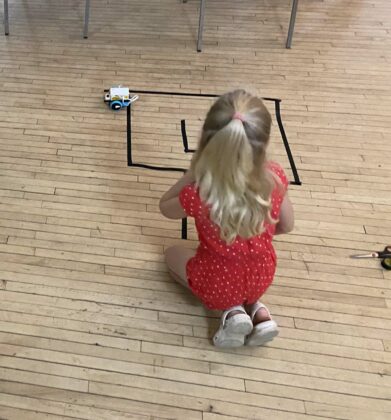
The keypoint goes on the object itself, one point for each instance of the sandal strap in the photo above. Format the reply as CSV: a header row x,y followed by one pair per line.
x,y
228,311
256,307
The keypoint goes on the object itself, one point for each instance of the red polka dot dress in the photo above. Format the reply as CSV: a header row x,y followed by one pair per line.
x,y
224,275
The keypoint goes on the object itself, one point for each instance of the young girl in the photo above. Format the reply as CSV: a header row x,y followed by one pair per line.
x,y
238,201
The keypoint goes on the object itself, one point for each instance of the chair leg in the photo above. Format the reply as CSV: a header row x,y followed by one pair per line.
x,y
292,23
6,18
201,26
86,18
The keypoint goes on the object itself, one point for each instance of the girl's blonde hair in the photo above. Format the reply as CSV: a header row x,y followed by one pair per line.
x,y
229,165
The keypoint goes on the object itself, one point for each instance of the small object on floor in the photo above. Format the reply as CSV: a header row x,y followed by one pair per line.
x,y
233,330
263,332
384,255
118,97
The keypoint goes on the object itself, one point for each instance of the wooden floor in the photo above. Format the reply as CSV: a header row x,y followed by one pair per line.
x,y
91,325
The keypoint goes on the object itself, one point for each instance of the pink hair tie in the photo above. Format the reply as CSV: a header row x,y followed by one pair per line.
x,y
238,116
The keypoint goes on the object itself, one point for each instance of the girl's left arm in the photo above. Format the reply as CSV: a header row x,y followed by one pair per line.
x,y
170,205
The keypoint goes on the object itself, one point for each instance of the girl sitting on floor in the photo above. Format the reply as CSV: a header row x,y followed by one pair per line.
x,y
239,201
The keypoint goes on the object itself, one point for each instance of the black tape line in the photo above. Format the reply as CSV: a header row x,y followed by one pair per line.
x,y
156,168
286,144
186,144
129,135
184,138
184,228
191,94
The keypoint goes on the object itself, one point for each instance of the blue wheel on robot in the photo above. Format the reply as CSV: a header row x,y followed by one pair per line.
x,y
115,105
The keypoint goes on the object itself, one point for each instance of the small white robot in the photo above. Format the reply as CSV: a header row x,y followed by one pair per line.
x,y
118,97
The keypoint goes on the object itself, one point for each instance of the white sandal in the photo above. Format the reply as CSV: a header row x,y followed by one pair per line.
x,y
233,331
264,331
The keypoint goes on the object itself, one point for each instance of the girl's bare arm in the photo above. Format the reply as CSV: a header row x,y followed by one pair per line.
x,y
286,218
169,204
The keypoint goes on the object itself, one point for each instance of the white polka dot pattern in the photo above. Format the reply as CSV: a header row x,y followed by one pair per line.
x,y
224,275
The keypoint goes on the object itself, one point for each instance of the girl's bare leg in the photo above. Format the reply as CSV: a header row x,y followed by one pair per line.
x,y
260,316
176,259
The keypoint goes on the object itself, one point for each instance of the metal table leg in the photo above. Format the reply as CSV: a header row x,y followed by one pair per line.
x,y
292,23
86,18
6,23
201,25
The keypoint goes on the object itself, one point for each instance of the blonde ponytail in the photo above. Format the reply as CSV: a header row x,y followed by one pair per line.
x,y
229,165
